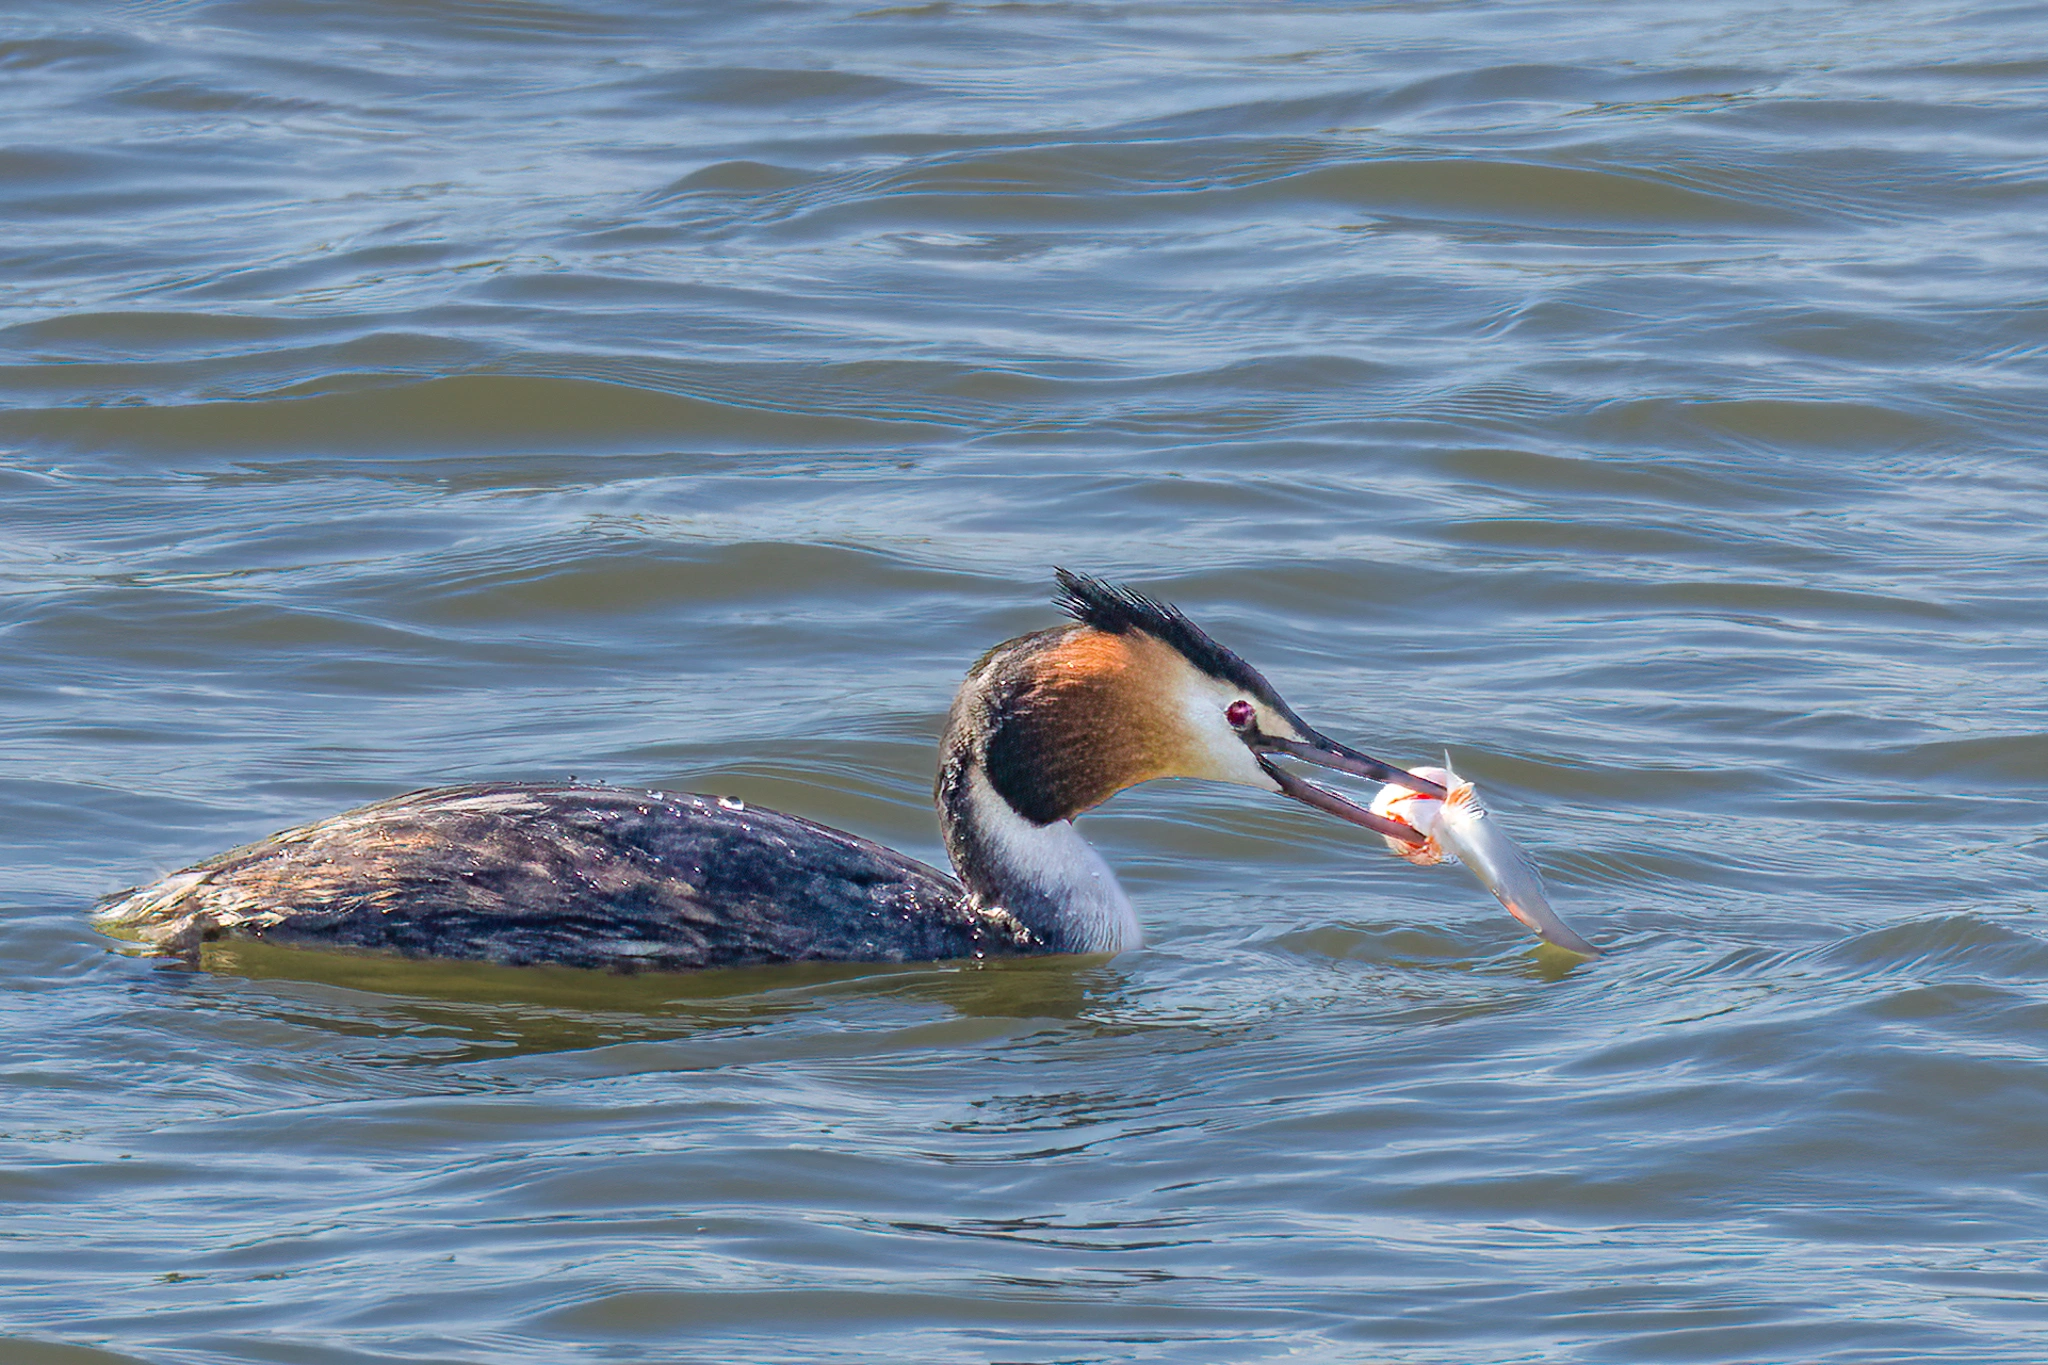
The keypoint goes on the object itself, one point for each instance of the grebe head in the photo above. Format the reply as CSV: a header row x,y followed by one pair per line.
x,y
1051,724
1060,720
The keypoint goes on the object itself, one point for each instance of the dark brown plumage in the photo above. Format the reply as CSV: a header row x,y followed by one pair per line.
x,y
581,876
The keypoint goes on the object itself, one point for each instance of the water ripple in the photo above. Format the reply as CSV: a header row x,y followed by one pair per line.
x,y
1643,406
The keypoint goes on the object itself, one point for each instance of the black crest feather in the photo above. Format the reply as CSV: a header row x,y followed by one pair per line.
x,y
1119,610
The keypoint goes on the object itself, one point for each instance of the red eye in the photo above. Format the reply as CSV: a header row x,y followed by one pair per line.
x,y
1238,713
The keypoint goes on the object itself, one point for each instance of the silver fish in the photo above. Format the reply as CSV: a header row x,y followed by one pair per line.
x,y
1459,827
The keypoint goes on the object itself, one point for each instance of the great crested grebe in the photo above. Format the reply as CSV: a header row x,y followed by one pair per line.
x,y
1045,726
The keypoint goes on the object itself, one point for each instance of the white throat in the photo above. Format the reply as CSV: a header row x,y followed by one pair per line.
x,y
1045,875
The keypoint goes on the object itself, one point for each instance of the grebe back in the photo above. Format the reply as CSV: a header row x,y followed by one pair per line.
x,y
1045,727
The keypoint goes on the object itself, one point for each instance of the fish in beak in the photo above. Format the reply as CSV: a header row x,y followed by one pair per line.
x,y
1427,816
1459,827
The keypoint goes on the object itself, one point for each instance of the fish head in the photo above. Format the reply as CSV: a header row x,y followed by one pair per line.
x,y
1419,811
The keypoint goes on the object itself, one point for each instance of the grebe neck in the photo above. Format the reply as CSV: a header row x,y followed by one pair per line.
x,y
1046,876
1024,752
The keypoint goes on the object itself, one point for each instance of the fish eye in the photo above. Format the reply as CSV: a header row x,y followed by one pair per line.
x,y
1239,714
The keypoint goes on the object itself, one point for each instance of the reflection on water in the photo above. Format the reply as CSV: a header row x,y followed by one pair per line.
x,y
1642,403
541,1009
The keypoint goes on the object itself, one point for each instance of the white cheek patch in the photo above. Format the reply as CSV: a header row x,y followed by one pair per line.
x,y
1213,747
